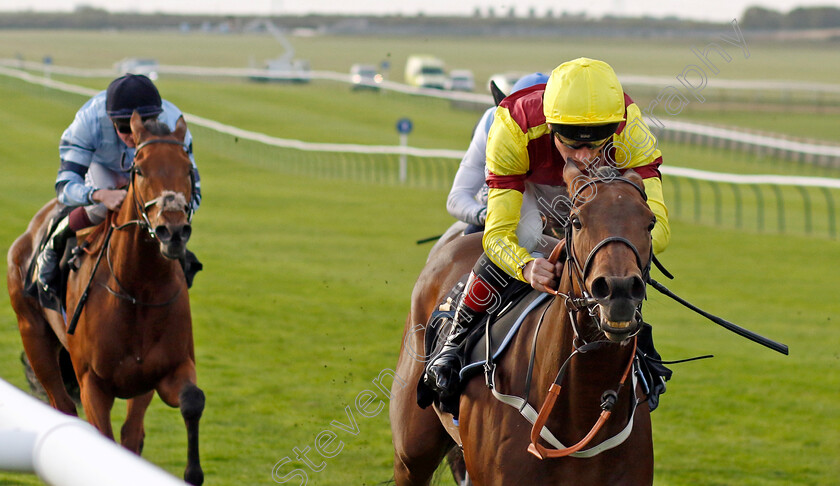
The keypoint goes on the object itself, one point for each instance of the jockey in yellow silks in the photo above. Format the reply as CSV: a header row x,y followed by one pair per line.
x,y
581,115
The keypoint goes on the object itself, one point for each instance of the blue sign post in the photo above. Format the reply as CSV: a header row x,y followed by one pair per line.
x,y
404,127
47,64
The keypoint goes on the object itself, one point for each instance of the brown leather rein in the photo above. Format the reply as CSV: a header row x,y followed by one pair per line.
x,y
575,304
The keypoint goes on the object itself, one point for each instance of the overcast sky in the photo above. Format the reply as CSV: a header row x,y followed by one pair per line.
x,y
718,10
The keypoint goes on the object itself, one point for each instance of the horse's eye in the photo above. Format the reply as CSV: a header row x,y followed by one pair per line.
x,y
138,172
651,225
576,224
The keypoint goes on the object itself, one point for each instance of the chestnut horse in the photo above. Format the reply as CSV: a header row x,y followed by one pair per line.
x,y
582,339
134,334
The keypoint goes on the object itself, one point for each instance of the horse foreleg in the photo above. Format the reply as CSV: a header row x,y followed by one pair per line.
x,y
97,402
132,432
179,390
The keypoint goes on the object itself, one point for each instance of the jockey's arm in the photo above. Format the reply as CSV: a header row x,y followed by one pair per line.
x,y
661,233
76,148
196,201
507,165
636,148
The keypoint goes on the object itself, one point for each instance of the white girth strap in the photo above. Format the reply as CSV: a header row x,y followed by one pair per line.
x,y
530,415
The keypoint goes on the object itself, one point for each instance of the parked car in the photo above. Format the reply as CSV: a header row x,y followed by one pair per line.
x,y
365,76
135,65
425,72
461,80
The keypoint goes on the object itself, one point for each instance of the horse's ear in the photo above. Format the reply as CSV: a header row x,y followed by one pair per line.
x,y
138,131
572,176
498,94
180,129
634,177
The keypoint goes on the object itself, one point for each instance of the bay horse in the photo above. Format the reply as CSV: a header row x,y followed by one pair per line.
x,y
571,354
134,334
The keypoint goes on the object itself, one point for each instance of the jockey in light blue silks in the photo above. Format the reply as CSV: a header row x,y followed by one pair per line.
x,y
96,151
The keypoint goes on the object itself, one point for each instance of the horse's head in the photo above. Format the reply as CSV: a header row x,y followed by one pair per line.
x,y
609,240
163,183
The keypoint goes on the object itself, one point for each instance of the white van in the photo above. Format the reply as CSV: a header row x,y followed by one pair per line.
x,y
135,65
425,72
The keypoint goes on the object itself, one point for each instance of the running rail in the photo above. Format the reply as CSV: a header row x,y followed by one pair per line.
x,y
65,451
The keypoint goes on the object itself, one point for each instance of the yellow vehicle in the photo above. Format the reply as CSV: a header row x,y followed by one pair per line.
x,y
425,71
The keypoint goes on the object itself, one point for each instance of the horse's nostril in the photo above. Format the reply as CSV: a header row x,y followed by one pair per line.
x,y
637,290
618,288
162,233
600,288
186,232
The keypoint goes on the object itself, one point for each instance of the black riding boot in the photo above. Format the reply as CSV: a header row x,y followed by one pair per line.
x,y
48,259
191,266
442,372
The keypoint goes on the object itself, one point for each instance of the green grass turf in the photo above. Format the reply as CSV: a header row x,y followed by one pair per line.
x,y
800,114
788,60
306,287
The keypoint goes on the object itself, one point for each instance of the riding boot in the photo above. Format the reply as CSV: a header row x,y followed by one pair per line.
x,y
651,365
191,266
50,256
442,372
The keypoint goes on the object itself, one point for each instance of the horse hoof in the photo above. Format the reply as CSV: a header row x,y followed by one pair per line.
x,y
194,476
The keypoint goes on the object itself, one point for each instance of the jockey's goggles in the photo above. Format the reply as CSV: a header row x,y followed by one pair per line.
x,y
576,145
123,125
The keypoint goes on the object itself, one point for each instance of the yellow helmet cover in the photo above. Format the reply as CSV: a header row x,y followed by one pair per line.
x,y
583,92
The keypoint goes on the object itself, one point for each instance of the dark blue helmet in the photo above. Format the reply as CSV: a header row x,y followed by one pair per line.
x,y
130,93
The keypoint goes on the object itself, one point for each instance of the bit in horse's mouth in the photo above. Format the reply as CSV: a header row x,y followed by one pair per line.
x,y
618,331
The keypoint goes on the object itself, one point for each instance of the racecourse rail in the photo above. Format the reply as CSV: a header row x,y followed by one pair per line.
x,y
795,204
65,451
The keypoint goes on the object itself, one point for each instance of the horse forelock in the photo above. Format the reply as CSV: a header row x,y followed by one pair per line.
x,y
156,127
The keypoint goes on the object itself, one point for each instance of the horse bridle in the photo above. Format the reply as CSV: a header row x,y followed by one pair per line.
x,y
578,273
144,222
143,207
